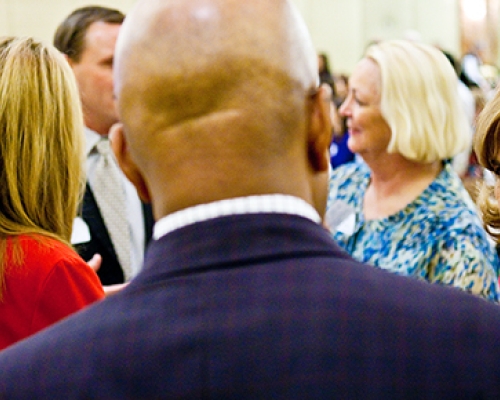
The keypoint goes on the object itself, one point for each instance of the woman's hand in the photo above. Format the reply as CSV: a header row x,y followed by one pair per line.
x,y
95,263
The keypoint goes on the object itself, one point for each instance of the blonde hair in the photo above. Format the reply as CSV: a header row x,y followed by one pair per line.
x,y
420,101
41,145
487,148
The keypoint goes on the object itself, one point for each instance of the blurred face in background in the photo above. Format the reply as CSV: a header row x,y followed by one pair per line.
x,y
94,75
321,63
369,133
341,86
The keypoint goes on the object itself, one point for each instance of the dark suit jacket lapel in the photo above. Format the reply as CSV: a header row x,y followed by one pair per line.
x,y
93,217
147,212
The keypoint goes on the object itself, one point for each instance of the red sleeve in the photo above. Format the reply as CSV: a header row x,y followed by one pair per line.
x,y
70,286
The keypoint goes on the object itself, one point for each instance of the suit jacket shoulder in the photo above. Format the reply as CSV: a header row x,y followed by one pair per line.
x,y
264,307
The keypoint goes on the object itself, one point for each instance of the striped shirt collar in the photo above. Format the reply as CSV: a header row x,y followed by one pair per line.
x,y
274,203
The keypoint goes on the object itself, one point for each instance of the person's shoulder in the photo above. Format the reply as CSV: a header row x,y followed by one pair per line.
x,y
383,290
353,167
451,213
448,199
349,173
46,251
40,259
347,184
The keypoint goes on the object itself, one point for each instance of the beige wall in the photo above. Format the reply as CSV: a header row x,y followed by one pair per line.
x,y
40,18
341,28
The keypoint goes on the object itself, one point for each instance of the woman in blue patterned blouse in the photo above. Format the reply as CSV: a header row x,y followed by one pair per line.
x,y
404,209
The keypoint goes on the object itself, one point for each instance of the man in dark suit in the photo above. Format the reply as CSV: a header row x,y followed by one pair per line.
x,y
87,37
243,294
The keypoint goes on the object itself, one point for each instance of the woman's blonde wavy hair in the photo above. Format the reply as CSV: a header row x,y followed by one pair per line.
x,y
487,148
420,101
41,145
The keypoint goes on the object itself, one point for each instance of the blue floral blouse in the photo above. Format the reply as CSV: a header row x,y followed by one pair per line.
x,y
438,237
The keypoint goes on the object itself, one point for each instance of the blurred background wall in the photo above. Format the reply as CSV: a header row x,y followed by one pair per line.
x,y
343,28
340,28
40,18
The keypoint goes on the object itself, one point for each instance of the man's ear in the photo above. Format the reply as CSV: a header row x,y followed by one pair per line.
x,y
319,130
128,166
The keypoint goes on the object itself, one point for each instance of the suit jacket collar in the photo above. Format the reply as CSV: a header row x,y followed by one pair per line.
x,y
236,241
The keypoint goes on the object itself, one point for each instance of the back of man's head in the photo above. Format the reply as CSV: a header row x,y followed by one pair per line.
x,y
211,96
69,38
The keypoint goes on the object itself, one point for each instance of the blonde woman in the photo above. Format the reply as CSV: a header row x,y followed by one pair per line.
x,y
42,280
404,209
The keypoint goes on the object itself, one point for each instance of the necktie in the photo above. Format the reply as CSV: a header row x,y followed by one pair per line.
x,y
107,186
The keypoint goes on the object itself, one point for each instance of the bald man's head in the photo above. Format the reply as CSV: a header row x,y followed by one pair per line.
x,y
214,80
187,36
199,54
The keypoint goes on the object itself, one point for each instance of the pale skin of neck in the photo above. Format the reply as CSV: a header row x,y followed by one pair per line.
x,y
394,183
96,126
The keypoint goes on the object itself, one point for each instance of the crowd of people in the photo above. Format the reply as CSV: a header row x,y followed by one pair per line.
x,y
173,223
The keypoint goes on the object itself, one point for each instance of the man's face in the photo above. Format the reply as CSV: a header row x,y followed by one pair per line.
x,y
95,78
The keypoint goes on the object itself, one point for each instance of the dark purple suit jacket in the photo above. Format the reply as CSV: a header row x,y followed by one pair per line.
x,y
263,307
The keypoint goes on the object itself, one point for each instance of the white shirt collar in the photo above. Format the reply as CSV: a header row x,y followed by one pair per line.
x,y
91,139
274,203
